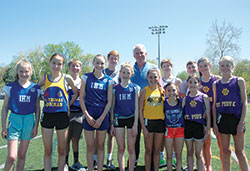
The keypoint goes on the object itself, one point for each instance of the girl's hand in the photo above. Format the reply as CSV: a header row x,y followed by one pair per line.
x,y
98,123
112,130
91,121
145,133
134,130
240,127
34,132
4,133
215,129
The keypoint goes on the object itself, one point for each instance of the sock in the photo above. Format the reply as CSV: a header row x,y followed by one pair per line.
x,y
67,159
162,155
109,156
76,156
95,157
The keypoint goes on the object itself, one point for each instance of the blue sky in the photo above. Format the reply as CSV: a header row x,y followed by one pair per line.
x,y
101,26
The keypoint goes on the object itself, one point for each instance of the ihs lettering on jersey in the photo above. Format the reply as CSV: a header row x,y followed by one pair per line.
x,y
95,85
24,98
126,96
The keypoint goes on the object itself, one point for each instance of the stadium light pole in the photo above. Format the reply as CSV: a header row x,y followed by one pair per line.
x,y
158,30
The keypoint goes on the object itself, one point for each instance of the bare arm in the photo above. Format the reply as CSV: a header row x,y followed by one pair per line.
x,y
135,125
243,95
4,115
208,115
215,128
112,131
90,120
106,109
37,117
71,83
141,109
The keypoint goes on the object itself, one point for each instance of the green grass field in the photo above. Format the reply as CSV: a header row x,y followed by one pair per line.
x,y
34,160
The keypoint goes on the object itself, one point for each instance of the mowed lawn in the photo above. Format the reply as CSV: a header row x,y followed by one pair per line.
x,y
34,160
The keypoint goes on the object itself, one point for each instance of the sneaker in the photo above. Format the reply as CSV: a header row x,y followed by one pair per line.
x,y
77,166
66,167
95,164
162,163
109,165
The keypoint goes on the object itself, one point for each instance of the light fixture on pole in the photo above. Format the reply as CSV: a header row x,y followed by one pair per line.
x,y
158,30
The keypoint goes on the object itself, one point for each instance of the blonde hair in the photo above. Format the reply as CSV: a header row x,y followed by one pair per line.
x,y
139,46
227,58
22,62
113,52
203,59
128,65
75,61
166,61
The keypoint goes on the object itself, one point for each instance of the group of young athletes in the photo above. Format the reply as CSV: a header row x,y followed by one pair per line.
x,y
167,110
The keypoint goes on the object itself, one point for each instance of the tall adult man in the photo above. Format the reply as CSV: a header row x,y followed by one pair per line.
x,y
141,68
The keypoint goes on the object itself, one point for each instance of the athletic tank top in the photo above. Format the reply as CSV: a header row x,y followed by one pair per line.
x,y
125,100
207,88
96,90
55,95
195,108
153,104
228,99
173,114
22,101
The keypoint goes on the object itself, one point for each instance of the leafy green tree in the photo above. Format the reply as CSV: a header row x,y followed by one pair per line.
x,y
182,75
242,69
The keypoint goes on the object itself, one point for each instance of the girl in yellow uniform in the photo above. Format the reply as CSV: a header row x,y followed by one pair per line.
x,y
152,118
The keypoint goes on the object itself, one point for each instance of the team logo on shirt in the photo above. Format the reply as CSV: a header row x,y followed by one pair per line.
x,y
205,89
225,91
154,101
59,94
32,90
174,118
105,80
131,89
193,103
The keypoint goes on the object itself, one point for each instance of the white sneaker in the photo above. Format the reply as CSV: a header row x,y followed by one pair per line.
x,y
66,167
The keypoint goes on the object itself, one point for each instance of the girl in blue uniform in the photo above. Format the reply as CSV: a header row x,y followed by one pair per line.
x,y
207,80
125,94
95,100
229,112
196,121
56,110
22,99
174,135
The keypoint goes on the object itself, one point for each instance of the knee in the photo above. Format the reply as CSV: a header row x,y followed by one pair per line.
x,y
121,149
131,150
48,152
240,153
226,152
11,158
100,147
61,151
21,156
148,151
198,155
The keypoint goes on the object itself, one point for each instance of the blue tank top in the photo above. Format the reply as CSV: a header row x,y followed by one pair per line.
x,y
195,108
96,90
228,99
125,100
22,101
55,95
75,107
173,114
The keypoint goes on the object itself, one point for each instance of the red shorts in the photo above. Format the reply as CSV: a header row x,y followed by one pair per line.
x,y
174,132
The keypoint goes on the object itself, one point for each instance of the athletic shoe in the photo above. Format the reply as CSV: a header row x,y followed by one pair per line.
x,y
162,163
77,166
66,167
95,165
109,165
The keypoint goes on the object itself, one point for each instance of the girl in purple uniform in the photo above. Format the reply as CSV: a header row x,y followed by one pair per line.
x,y
22,99
196,121
229,112
174,135
207,79
124,113
95,100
